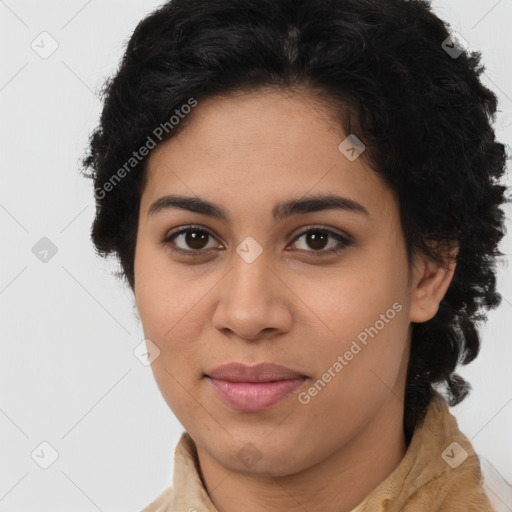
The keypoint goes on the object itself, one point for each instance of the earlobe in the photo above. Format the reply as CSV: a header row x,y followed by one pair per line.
x,y
430,284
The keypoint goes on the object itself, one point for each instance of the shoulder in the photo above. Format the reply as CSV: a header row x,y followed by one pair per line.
x,y
161,503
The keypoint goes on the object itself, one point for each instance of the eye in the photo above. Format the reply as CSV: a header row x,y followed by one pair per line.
x,y
317,237
193,236
196,238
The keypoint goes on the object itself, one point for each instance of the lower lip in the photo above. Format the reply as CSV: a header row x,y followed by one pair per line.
x,y
252,396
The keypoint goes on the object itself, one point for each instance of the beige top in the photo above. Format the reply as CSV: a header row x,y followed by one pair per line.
x,y
440,472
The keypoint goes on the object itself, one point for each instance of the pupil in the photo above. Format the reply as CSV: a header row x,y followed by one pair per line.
x,y
315,237
192,238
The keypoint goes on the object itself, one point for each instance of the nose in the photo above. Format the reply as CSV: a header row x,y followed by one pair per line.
x,y
254,300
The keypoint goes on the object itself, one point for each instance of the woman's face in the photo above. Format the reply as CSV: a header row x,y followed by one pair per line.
x,y
254,288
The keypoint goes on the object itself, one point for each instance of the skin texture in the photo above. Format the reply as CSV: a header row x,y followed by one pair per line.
x,y
247,152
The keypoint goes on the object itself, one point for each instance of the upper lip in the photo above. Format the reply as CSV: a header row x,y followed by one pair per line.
x,y
262,372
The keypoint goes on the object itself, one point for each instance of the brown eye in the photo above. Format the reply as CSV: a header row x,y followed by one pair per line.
x,y
196,239
192,239
318,239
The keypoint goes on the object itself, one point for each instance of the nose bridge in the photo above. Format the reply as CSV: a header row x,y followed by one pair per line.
x,y
250,301
250,276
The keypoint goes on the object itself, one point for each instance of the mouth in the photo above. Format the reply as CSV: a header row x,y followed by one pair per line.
x,y
254,388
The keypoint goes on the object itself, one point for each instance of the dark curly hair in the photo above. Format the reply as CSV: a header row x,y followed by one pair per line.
x,y
384,68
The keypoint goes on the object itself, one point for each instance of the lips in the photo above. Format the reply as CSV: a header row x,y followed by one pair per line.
x,y
254,388
262,372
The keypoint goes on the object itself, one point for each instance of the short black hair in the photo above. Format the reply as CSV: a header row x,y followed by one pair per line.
x,y
398,81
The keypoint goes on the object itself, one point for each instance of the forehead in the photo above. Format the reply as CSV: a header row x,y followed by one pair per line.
x,y
261,146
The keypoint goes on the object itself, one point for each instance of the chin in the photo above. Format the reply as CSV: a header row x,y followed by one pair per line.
x,y
261,456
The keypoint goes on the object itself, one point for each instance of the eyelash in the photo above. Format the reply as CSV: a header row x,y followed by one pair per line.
x,y
197,253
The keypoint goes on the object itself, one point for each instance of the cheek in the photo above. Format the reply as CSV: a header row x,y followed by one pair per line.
x,y
171,310
167,313
158,294
355,299
369,343
366,312
362,367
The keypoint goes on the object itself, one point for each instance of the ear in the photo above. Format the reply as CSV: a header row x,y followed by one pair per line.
x,y
430,282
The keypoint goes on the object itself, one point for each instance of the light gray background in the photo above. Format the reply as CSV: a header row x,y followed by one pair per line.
x,y
67,372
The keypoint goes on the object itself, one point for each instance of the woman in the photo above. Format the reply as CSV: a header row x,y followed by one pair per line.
x,y
303,196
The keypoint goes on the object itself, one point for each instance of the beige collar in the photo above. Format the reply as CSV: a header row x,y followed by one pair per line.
x,y
435,474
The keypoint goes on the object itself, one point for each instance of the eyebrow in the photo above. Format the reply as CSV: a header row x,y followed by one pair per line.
x,y
308,204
